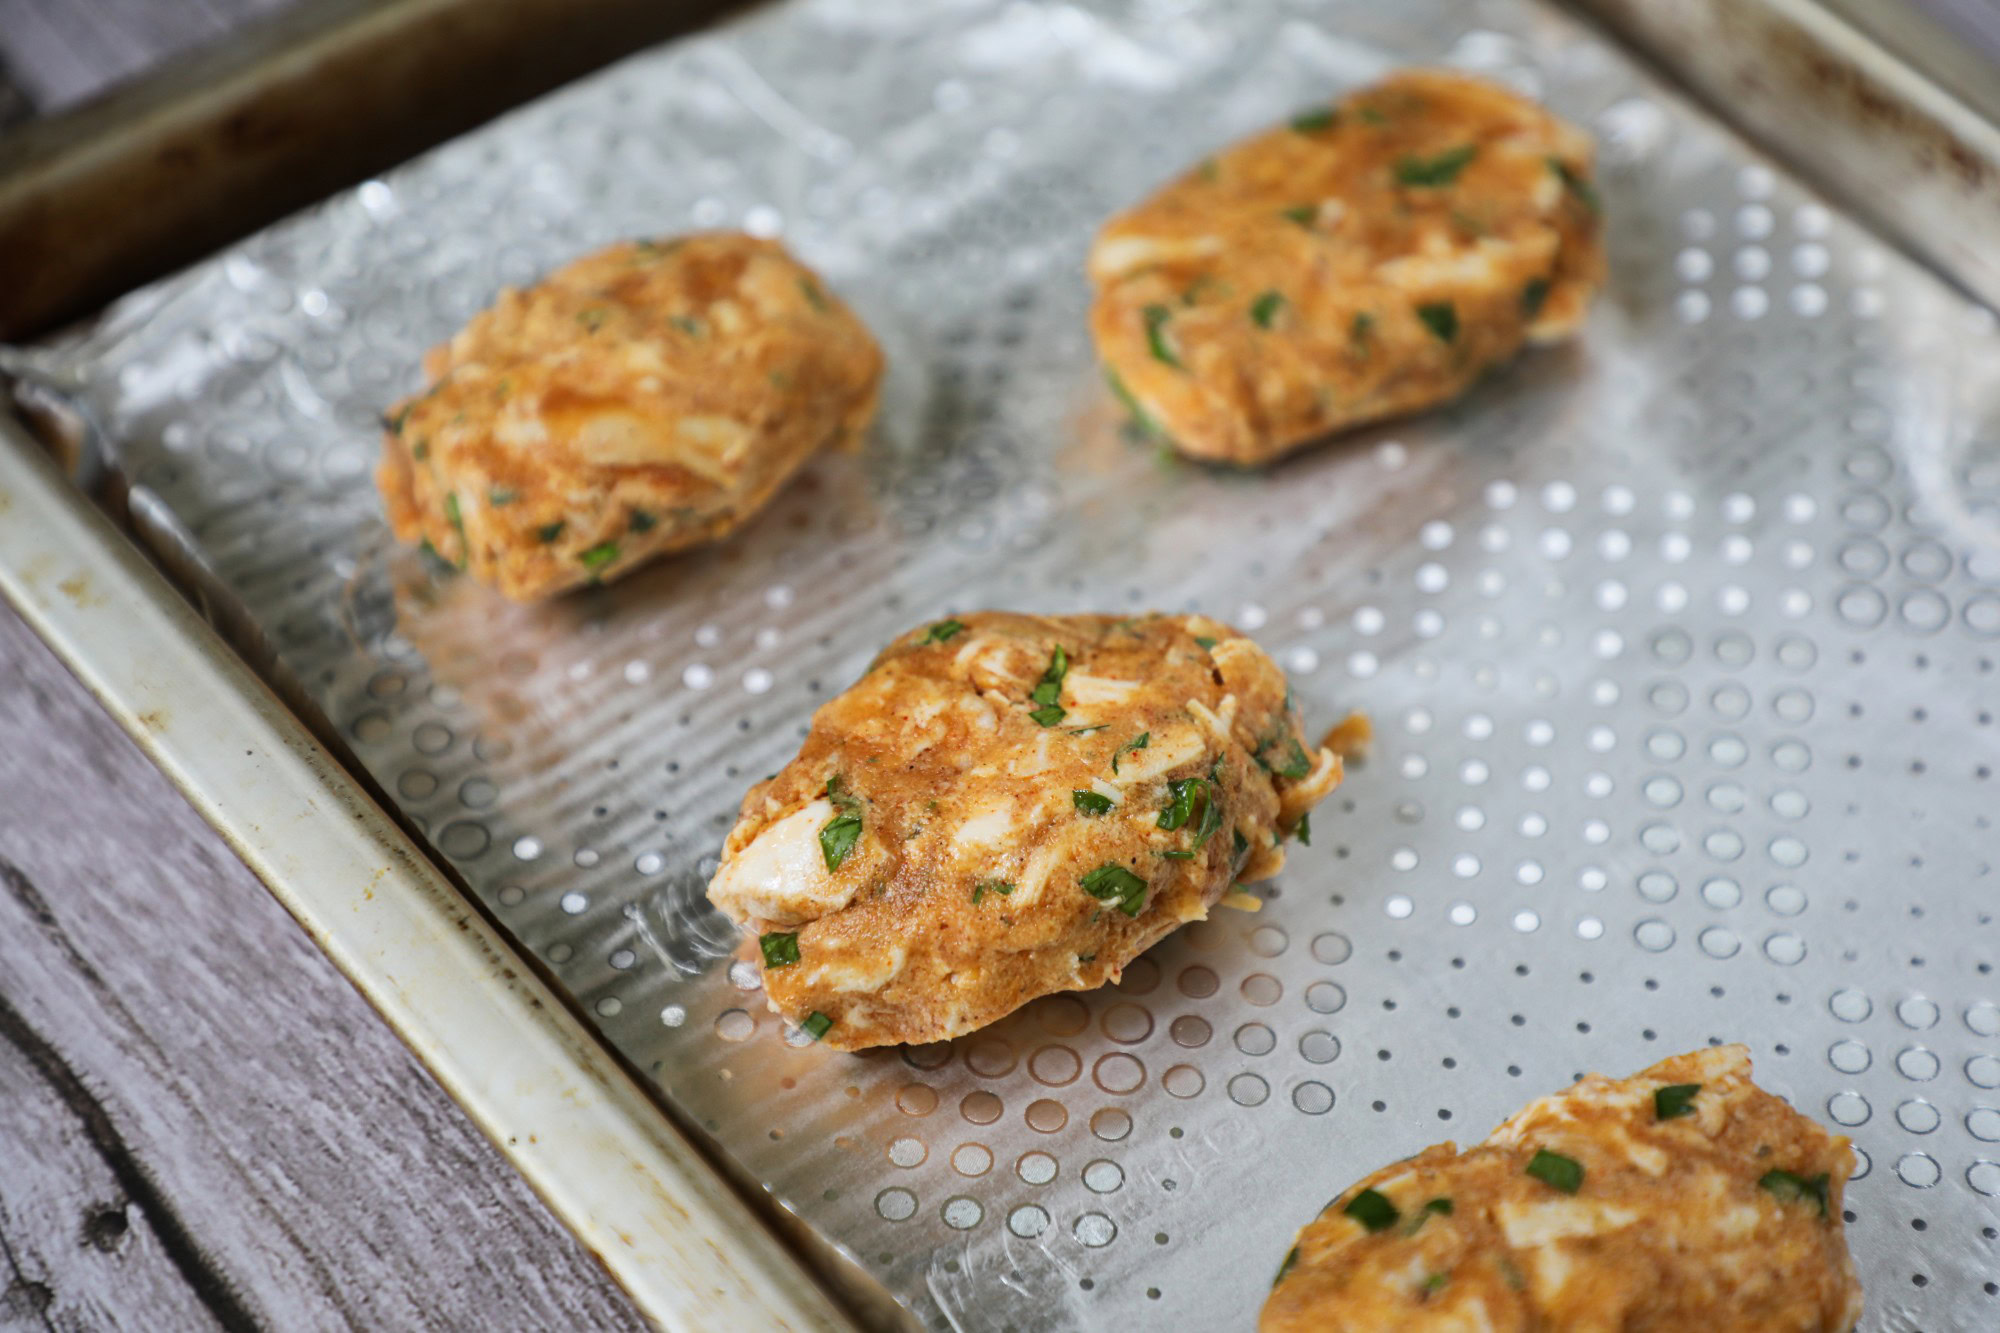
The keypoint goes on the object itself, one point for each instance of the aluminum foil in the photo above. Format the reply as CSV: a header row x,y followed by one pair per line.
x,y
1680,640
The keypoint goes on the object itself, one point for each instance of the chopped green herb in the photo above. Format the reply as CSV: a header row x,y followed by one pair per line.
x,y
1436,1207
500,495
641,521
1088,731
1194,290
452,512
1242,843
1187,798
839,834
1319,118
1112,882
1675,1100
593,318
1303,214
1049,690
813,296
1204,641
781,948
687,324
1139,742
1265,309
943,630
421,449
600,555
1139,415
394,425
816,1025
1372,1210
986,886
1793,1188
1209,169
1557,1171
1178,854
1305,829
1368,115
1513,1275
1361,332
1435,1282
1441,318
1577,184
1533,295
1090,957
1291,1260
548,532
431,554
1435,171
1156,323
1090,802
1292,759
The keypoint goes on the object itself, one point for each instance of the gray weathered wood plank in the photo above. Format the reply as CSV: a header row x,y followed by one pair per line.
x,y
195,1056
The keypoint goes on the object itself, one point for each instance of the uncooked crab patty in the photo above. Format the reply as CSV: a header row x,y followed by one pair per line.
x,y
645,398
1007,805
1684,1197
1370,258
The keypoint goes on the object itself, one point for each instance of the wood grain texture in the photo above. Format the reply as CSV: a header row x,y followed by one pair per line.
x,y
201,1124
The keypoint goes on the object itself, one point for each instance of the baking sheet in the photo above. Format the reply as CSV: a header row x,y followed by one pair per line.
x,y
1680,641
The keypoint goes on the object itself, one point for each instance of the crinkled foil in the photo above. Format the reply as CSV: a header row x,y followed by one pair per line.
x,y
1680,640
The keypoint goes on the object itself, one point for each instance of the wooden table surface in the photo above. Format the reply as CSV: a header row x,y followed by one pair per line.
x,y
202,1125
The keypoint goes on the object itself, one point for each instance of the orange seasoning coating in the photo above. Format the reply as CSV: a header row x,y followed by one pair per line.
x,y
1368,259
1008,805
644,398
1682,1198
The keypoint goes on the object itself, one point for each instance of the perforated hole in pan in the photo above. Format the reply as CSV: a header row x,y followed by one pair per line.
x,y
1680,643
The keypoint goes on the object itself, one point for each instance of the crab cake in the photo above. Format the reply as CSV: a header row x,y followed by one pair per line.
x,y
1370,258
644,398
1005,806
1684,1197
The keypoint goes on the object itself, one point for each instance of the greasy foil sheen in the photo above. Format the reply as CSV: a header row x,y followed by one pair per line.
x,y
1680,640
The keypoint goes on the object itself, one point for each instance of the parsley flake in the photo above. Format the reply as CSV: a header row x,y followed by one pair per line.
x,y
600,555
1291,1261
1206,642
1577,184
1265,309
986,886
1674,1101
548,532
839,834
1556,1171
1533,295
813,296
1372,1210
1441,318
501,495
1303,214
781,948
1112,882
1315,120
1049,690
1305,829
943,630
1432,172
1361,332
1138,742
640,521
817,1025
1090,802
1133,409
1156,340
1793,1188
1178,854
1435,1208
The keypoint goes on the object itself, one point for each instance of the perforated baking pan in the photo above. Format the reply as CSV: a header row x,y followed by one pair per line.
x,y
1680,644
